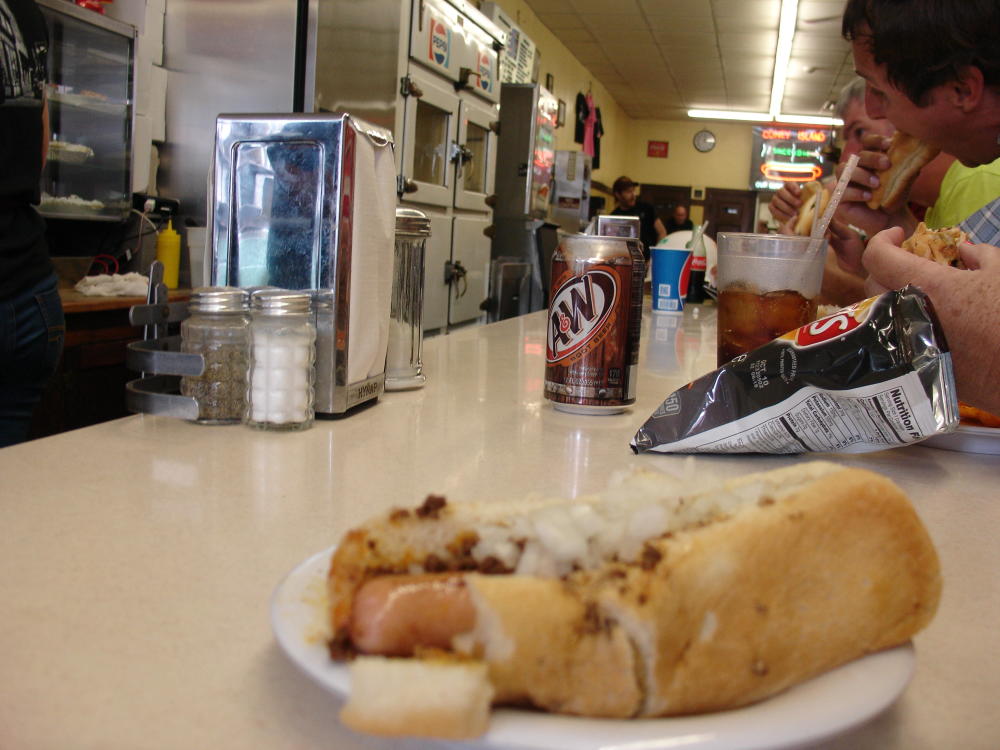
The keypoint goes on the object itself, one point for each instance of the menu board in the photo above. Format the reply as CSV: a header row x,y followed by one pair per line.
x,y
519,58
787,153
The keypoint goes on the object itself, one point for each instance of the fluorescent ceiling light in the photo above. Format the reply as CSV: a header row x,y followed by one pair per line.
x,y
783,53
809,120
728,114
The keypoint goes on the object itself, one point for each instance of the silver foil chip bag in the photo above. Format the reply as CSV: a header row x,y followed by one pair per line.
x,y
874,375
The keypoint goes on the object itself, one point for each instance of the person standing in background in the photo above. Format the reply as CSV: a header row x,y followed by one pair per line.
x,y
679,220
651,229
32,327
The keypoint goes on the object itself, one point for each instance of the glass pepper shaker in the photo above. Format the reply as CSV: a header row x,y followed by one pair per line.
x,y
218,328
281,360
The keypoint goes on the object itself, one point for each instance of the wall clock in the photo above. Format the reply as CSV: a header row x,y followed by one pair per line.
x,y
704,140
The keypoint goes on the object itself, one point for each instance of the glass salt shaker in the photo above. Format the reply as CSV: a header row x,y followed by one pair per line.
x,y
281,361
218,328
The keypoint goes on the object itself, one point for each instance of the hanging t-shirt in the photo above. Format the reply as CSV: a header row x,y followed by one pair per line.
x,y
588,127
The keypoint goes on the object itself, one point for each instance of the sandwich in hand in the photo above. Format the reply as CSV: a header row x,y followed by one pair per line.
x,y
944,246
814,201
940,245
649,599
907,156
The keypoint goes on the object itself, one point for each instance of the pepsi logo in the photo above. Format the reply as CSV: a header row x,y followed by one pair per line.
x,y
440,42
485,72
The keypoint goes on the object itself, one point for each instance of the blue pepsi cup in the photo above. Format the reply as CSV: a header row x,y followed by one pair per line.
x,y
671,271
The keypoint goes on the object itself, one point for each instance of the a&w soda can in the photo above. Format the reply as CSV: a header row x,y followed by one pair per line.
x,y
595,317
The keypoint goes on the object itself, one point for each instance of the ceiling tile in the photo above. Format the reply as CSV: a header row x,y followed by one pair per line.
x,y
556,22
576,35
750,10
671,24
681,8
633,54
680,40
602,6
758,42
756,65
620,37
611,24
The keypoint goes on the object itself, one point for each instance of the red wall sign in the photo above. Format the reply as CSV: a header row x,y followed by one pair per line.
x,y
657,149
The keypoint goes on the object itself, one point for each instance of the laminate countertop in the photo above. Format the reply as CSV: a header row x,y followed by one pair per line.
x,y
139,556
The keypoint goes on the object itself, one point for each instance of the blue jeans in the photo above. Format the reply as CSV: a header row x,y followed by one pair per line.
x,y
32,329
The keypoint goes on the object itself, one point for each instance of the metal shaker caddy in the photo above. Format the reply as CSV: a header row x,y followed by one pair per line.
x,y
308,202
303,202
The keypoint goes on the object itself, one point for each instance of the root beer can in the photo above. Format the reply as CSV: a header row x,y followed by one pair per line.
x,y
594,322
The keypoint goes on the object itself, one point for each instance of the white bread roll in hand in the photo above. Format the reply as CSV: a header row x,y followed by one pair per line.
x,y
650,599
907,156
814,201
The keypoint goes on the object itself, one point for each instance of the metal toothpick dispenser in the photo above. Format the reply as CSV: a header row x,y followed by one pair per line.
x,y
403,366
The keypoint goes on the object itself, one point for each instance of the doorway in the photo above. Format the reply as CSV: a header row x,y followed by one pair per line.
x,y
729,210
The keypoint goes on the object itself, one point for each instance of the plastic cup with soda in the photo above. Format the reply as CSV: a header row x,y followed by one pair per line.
x,y
768,285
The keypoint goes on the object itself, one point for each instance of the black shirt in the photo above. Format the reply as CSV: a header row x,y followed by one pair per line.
x,y
23,48
647,223
673,226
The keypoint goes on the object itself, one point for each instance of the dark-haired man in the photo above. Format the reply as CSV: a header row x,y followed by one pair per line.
x,y
651,229
932,68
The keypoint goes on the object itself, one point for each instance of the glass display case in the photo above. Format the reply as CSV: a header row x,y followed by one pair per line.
x,y
90,99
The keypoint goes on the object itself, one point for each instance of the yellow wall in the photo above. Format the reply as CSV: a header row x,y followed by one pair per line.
x,y
623,148
725,166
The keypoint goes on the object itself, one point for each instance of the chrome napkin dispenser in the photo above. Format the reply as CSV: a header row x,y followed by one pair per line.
x,y
307,201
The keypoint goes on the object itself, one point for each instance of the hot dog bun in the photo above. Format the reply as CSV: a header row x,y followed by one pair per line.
x,y
653,600
813,195
907,156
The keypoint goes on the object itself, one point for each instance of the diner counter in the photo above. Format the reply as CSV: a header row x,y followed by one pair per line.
x,y
138,556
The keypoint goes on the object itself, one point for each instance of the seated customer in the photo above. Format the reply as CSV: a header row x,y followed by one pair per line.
x,y
679,220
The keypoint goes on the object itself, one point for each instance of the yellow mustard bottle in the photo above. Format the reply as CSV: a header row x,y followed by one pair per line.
x,y
168,252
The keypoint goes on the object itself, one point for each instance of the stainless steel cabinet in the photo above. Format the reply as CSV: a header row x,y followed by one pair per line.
x,y
90,97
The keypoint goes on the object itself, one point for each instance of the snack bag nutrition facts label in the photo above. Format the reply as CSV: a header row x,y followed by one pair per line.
x,y
862,419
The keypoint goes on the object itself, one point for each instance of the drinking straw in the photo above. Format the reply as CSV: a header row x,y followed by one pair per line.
x,y
838,192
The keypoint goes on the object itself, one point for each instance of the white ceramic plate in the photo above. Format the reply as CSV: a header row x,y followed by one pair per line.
x,y
968,439
827,705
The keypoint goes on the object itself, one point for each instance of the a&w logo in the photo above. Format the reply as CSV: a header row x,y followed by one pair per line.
x,y
440,45
578,310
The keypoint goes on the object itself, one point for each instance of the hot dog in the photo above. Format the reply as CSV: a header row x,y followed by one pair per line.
x,y
907,156
814,200
649,599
